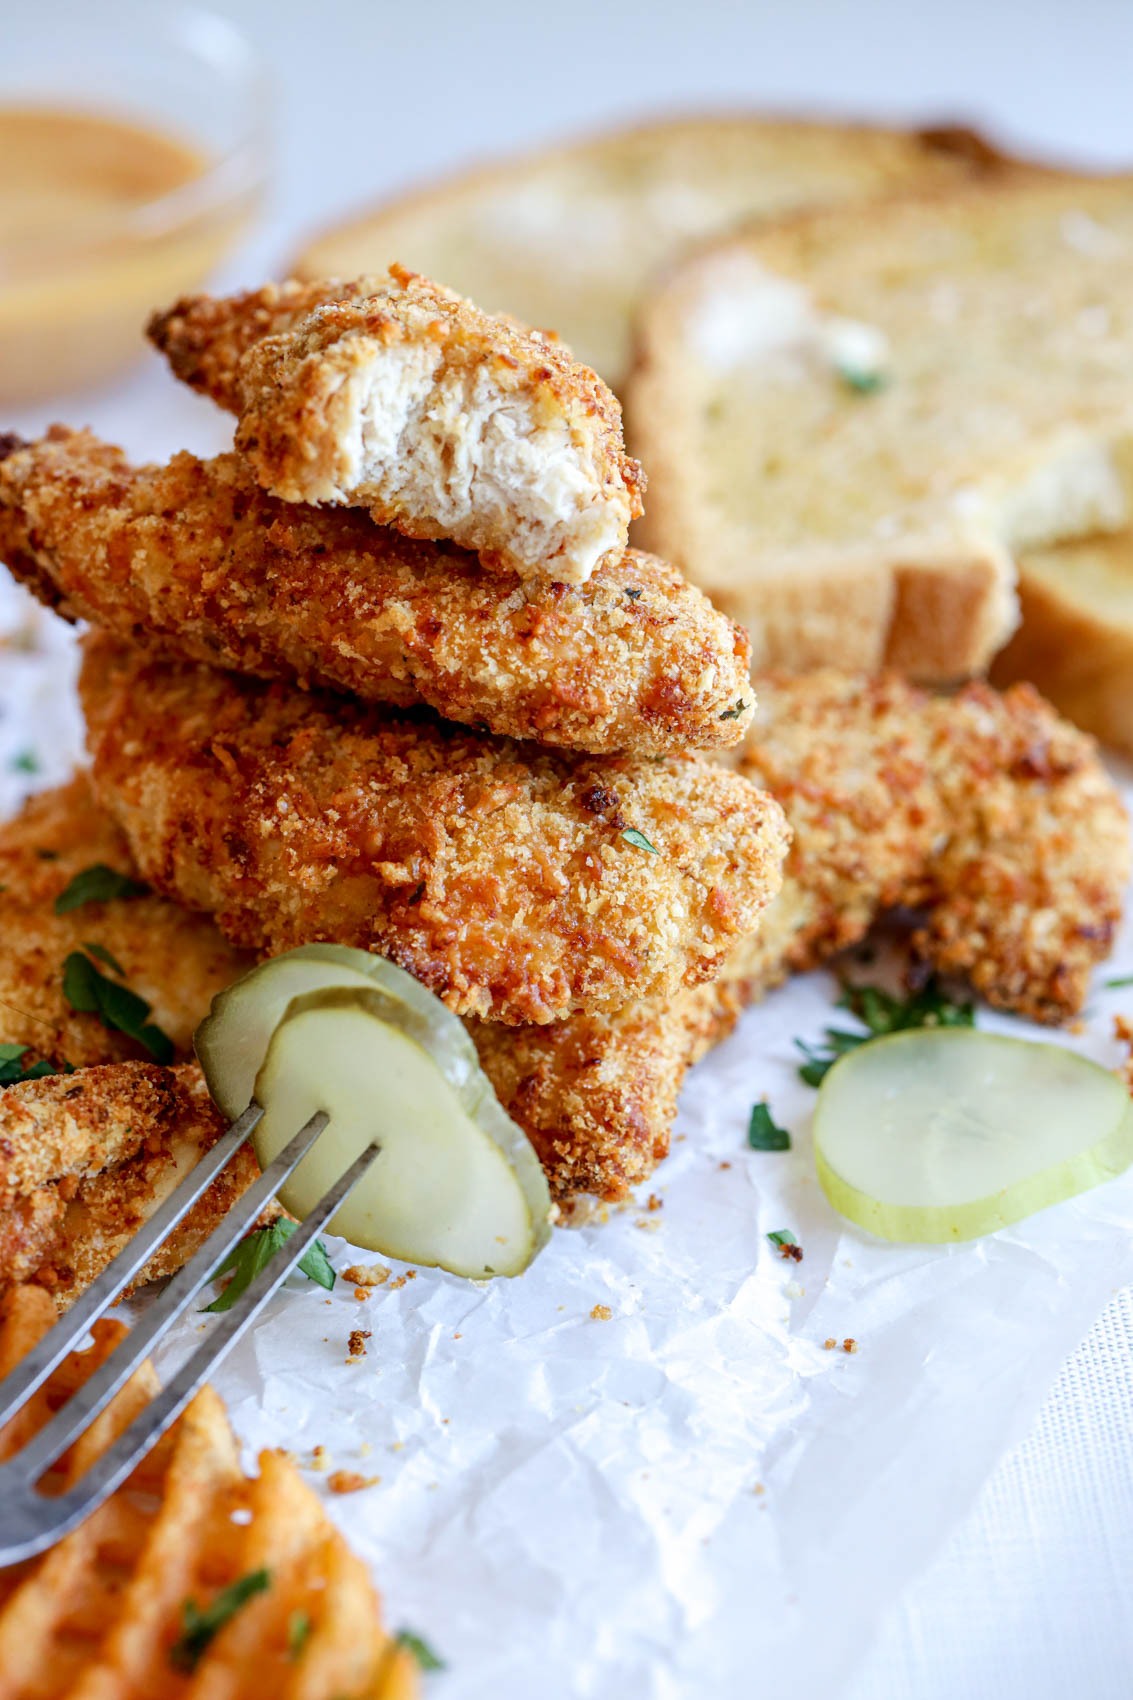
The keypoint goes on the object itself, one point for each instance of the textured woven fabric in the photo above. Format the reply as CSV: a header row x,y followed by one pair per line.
x,y
1030,1597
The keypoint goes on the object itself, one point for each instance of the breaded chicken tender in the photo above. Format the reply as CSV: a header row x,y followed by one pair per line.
x,y
444,421
195,560
984,810
86,1158
518,884
170,958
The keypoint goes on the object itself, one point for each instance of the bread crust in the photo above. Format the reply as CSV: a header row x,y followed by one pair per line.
x,y
922,577
1072,643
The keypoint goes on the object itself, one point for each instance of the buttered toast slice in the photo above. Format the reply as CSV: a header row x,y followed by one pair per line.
x,y
853,420
1075,640
566,239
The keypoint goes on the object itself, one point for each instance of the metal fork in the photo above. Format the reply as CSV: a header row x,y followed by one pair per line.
x,y
30,1521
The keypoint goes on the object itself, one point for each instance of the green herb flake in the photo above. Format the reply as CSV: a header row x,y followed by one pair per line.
x,y
24,761
199,1627
639,840
764,1134
298,1632
861,380
97,884
734,713
90,993
13,1072
255,1251
1118,983
880,1013
782,1237
420,1648
100,951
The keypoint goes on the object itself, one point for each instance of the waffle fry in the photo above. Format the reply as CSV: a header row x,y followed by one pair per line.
x,y
193,1580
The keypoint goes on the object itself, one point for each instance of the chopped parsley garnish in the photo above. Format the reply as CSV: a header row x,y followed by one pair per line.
x,y
97,884
861,380
100,951
734,713
639,840
881,1013
256,1250
420,1648
1121,980
26,761
786,1244
88,991
199,1627
764,1134
13,1073
298,1631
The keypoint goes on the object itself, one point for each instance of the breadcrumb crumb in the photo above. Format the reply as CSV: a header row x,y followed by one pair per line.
x,y
349,1481
367,1274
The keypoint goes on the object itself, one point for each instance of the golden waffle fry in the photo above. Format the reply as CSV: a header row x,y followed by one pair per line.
x,y
193,1580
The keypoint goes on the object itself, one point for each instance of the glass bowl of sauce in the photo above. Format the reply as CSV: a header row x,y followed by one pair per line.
x,y
134,140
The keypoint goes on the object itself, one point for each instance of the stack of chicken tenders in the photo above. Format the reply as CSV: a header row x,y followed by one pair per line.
x,y
388,674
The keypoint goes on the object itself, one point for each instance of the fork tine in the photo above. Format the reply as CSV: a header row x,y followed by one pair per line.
x,y
112,1469
96,1394
64,1336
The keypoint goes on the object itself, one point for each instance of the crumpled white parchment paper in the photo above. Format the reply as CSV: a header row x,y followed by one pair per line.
x,y
694,1497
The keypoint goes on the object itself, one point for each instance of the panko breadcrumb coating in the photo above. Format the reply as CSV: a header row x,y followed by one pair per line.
x,y
88,1157
194,559
518,884
399,396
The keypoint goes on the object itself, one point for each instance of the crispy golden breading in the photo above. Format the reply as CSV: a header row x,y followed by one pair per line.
x,y
104,1613
196,560
401,397
174,960
1025,896
518,884
984,809
88,1157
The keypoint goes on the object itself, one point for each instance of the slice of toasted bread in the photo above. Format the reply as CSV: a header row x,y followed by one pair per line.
x,y
1075,641
566,239
852,420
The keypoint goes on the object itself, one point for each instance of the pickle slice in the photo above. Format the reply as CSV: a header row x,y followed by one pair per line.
x,y
949,1133
232,1041
457,1184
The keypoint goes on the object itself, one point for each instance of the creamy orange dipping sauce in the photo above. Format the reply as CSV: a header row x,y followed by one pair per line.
x,y
87,246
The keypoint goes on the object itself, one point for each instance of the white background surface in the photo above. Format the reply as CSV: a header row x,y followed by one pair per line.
x,y
1029,1599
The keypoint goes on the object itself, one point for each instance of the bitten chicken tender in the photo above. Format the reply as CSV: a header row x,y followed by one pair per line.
x,y
399,396
517,884
194,559
86,1158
